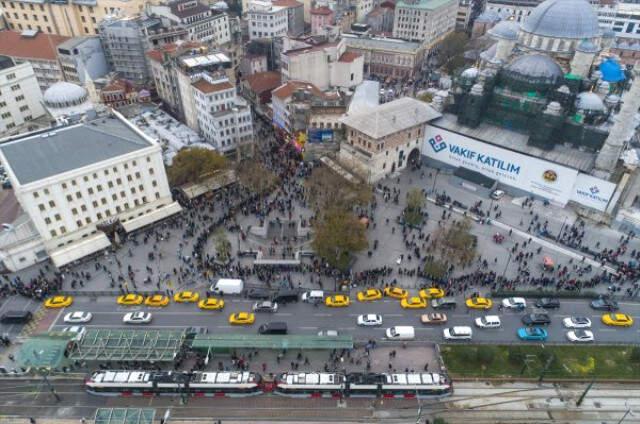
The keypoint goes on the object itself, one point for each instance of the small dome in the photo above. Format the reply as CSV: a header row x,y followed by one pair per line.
x,y
564,89
489,54
587,46
590,101
507,30
64,94
612,71
572,19
469,73
535,66
220,5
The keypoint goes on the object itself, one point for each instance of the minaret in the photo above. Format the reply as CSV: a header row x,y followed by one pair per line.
x,y
583,58
91,88
621,131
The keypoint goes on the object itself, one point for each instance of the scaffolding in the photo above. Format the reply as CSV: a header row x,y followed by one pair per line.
x,y
129,345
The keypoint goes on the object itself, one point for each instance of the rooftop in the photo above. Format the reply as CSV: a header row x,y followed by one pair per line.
x,y
59,150
349,57
391,117
40,46
322,10
264,81
172,50
286,89
381,43
502,137
188,8
424,4
207,87
287,3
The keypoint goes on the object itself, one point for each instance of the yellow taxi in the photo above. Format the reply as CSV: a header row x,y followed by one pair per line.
x,y
158,300
413,302
337,301
130,299
58,302
431,293
211,303
479,303
618,320
186,297
242,318
369,295
396,292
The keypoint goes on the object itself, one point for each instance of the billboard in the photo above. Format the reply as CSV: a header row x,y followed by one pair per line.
x,y
320,135
592,192
537,176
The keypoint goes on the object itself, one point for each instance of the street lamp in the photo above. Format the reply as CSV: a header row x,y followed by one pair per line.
x,y
435,178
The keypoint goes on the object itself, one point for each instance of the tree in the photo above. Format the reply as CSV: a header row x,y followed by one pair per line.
x,y
634,356
435,269
338,234
452,51
193,165
455,242
326,190
426,97
255,177
415,202
222,246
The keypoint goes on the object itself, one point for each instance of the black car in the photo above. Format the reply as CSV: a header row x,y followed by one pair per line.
x,y
259,294
548,303
536,319
604,304
286,296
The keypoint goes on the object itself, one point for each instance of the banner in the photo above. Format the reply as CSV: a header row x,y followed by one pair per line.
x,y
320,135
537,176
592,192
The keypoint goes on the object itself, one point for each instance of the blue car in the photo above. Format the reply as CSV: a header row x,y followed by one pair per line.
x,y
532,333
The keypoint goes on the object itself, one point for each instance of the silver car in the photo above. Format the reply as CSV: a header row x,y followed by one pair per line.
x,y
137,318
77,317
265,306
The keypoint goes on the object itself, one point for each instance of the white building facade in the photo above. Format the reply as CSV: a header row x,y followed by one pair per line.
x,y
90,176
427,21
267,20
20,97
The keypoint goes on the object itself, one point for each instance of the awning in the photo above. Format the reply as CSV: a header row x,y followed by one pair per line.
x,y
80,249
211,184
151,217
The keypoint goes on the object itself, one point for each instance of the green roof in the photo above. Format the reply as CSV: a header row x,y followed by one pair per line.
x,y
425,4
125,415
240,341
128,345
44,351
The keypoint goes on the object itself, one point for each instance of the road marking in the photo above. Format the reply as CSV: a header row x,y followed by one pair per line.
x,y
346,328
608,329
392,315
56,320
322,315
284,314
224,326
308,328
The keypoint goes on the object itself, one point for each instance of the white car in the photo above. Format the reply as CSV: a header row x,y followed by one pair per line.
x,y
576,322
458,333
580,336
514,303
369,320
489,321
77,330
77,317
328,333
137,318
497,194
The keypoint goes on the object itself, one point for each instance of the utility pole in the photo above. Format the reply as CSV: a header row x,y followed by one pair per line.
x,y
584,394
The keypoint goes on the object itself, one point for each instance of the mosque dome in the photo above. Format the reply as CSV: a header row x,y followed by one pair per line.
x,y
590,101
470,73
535,66
587,46
612,71
507,30
64,94
489,54
569,19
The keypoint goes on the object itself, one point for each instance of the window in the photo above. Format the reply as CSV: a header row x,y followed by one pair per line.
x,y
154,183
78,195
19,98
118,181
90,190
74,211
15,87
95,204
110,184
118,209
63,230
79,223
141,187
64,186
11,76
157,195
129,178
35,195
95,176
137,175
47,220
114,197
69,198
99,215
52,204
53,233
83,208
103,201
57,217
87,220
85,178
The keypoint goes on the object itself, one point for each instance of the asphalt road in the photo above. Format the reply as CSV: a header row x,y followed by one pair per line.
x,y
303,318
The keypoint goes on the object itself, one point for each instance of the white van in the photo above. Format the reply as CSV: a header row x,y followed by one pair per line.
x,y
458,333
228,286
401,332
489,321
313,296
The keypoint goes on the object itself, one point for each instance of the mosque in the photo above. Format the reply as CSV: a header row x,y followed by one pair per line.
x,y
548,88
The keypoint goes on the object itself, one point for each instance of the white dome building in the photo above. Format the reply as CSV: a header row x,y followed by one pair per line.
x,y
558,26
66,100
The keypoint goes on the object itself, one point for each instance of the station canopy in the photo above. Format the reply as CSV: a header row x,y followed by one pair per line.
x,y
242,341
44,351
128,345
125,415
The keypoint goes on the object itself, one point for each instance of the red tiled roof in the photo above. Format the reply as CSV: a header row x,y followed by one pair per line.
x,y
171,49
206,87
349,57
41,46
286,89
263,81
286,3
322,10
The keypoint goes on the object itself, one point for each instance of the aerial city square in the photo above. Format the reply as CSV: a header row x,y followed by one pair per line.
x,y
319,211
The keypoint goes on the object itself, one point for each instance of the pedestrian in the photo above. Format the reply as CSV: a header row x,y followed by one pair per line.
x,y
32,420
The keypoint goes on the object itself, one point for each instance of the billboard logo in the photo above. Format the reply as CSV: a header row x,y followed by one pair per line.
x,y
550,176
437,143
594,190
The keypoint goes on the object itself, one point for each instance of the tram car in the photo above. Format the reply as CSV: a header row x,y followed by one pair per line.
x,y
233,384
310,384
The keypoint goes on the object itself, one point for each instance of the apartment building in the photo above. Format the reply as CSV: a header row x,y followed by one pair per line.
x,y
20,97
81,56
201,22
92,180
267,20
36,48
71,18
295,16
425,21
224,118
